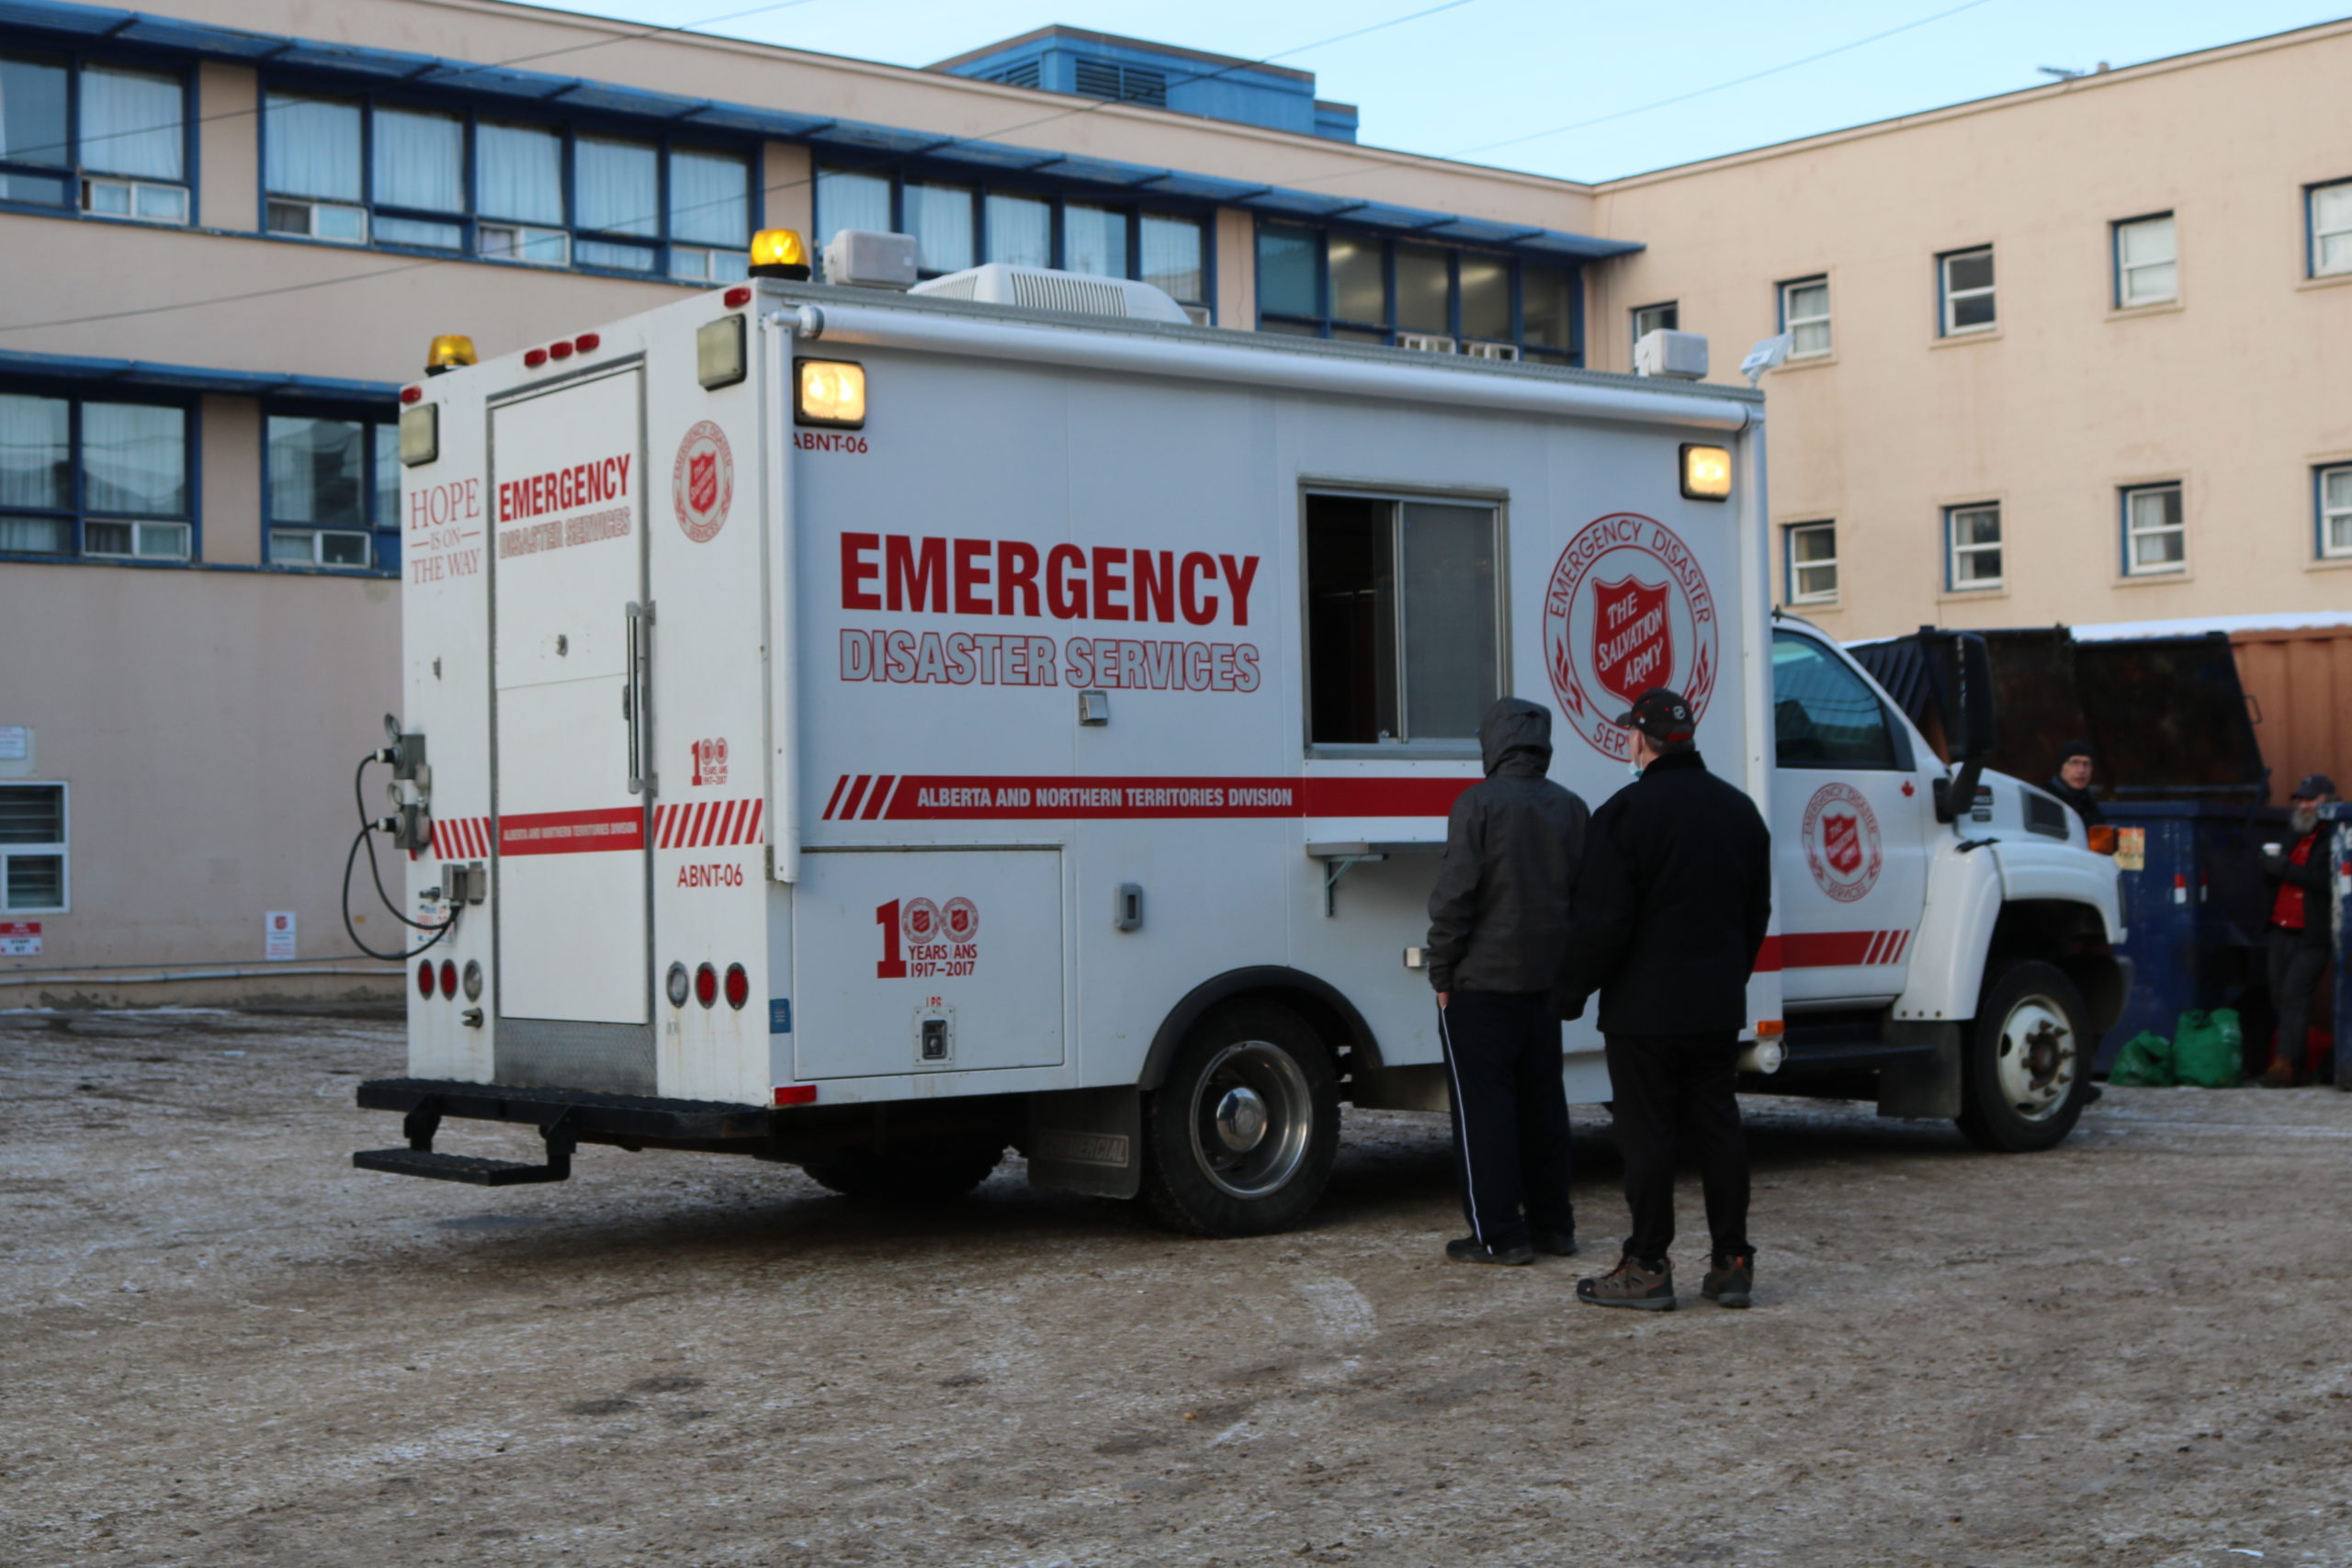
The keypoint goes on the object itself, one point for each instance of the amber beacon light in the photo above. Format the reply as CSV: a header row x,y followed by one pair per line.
x,y
831,393
780,253
449,351
1706,472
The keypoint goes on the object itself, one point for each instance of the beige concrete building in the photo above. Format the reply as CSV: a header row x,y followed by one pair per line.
x,y
2038,338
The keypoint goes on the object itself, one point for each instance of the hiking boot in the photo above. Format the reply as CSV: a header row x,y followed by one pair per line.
x,y
2279,1075
1633,1283
1470,1249
1730,1281
1557,1244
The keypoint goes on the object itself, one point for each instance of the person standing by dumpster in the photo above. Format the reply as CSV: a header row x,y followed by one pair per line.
x,y
1499,923
2071,782
2298,929
1670,910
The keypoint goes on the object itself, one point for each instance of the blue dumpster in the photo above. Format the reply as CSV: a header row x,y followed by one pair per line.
x,y
2195,909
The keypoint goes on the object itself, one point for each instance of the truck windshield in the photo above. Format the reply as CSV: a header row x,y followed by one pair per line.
x,y
1824,716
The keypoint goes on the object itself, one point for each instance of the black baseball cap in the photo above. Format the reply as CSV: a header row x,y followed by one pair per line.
x,y
1661,715
2314,787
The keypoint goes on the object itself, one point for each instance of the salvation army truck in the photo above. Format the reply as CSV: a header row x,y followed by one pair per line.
x,y
876,730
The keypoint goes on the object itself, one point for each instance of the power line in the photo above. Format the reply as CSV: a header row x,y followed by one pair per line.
x,y
1717,87
927,150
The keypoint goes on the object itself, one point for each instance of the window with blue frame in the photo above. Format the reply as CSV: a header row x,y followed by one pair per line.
x,y
957,225
2333,488
107,138
355,171
95,478
1316,282
334,488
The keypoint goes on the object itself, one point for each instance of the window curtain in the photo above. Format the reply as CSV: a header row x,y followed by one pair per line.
x,y
134,459
315,471
940,217
1171,257
709,199
32,112
420,161
1094,239
518,173
130,123
1020,231
618,188
313,148
847,200
35,452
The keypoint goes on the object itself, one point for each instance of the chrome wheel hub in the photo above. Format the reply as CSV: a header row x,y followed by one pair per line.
x,y
1252,1118
2038,1058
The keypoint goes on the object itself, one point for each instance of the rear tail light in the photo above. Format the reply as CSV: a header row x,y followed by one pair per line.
x,y
425,978
707,986
448,978
739,986
676,985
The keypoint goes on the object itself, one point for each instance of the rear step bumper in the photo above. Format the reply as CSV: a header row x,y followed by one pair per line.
x,y
564,1118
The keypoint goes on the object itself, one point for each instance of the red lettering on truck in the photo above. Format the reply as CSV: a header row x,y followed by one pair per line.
x,y
929,575
562,489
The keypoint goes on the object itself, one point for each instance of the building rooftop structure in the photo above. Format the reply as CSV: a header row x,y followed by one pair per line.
x,y
1187,81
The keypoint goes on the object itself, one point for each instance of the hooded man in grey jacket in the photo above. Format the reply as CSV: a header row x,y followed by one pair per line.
x,y
1499,928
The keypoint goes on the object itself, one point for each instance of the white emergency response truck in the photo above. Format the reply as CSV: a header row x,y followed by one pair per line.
x,y
873,729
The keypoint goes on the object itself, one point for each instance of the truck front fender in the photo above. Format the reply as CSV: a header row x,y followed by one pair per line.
x,y
2010,900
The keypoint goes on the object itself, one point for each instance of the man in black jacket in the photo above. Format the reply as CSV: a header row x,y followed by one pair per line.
x,y
2071,782
1499,923
2299,929
1671,904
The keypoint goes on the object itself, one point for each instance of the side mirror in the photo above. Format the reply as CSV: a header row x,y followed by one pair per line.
x,y
1962,667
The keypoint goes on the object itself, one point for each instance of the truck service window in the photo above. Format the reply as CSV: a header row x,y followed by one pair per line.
x,y
1402,621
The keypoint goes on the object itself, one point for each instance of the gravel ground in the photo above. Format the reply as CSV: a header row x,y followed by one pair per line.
x,y
223,1346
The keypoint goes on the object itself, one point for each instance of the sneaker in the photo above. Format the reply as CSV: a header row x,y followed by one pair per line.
x,y
1731,1281
2277,1075
1470,1249
1557,1244
1632,1283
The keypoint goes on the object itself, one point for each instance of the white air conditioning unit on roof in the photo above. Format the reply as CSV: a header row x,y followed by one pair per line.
x,y
1043,288
1425,343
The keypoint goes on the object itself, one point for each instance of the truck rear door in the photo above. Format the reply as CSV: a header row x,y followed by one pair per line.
x,y
1851,811
574,970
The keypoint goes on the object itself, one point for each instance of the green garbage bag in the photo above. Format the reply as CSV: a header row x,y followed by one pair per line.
x,y
2145,1062
2207,1048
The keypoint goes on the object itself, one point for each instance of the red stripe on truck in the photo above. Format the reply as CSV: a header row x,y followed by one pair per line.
x,y
1831,950
914,797
572,832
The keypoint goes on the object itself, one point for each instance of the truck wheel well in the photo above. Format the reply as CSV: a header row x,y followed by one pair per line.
x,y
2071,936
1319,1003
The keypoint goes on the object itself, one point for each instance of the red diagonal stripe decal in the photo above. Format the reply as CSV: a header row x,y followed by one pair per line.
x,y
856,794
834,799
759,808
884,788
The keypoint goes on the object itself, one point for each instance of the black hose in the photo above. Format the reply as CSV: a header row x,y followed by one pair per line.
x,y
444,929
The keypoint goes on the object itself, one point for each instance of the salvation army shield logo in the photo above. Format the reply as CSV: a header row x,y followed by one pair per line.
x,y
920,919
962,918
1633,638
1627,609
1842,847
702,482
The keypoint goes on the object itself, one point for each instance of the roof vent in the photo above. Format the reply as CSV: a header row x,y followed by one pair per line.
x,y
865,258
1121,84
1042,288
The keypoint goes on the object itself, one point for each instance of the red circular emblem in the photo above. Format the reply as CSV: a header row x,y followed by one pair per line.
x,y
1627,609
963,919
920,919
701,484
1841,841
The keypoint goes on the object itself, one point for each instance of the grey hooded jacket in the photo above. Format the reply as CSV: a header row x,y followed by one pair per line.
x,y
1498,916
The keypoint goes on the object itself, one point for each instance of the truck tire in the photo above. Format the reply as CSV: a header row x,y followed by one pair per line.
x,y
2026,1071
918,1174
1240,1138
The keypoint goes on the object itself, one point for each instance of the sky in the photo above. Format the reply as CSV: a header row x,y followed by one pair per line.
x,y
1518,84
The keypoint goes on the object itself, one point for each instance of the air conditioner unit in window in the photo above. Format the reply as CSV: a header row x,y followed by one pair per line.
x,y
140,199
1491,350
1428,342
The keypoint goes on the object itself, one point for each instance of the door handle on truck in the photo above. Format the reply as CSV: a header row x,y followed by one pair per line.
x,y
636,686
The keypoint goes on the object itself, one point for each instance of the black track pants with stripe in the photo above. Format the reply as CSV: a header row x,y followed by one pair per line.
x,y
1510,1114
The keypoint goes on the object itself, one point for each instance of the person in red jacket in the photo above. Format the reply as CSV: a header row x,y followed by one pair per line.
x,y
2298,928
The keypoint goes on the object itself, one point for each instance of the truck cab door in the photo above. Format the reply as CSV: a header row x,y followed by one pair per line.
x,y
1851,816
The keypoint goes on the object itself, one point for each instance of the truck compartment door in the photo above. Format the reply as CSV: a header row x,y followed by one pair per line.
x,y
569,647
925,961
